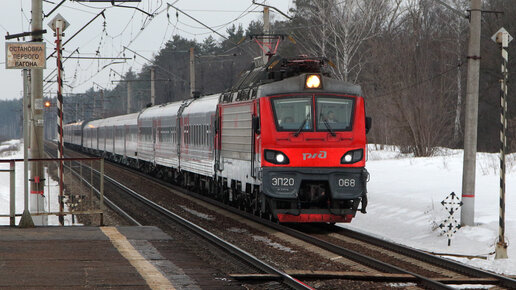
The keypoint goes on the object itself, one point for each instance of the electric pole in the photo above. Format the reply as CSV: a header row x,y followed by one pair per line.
x,y
471,116
102,114
36,146
153,86
129,96
26,219
266,31
192,71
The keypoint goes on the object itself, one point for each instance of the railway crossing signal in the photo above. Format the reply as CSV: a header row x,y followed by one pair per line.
x,y
450,225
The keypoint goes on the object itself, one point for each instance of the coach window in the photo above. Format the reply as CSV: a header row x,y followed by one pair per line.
x,y
205,134
198,134
187,134
199,137
193,140
194,134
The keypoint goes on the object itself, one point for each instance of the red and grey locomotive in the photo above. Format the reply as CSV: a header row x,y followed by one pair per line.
x,y
287,142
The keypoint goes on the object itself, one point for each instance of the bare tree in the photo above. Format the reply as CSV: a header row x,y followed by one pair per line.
x,y
409,80
339,29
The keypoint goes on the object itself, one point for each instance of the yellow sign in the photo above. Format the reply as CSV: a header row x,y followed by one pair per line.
x,y
25,55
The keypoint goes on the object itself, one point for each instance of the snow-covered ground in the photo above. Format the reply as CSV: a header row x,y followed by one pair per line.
x,y
405,195
13,149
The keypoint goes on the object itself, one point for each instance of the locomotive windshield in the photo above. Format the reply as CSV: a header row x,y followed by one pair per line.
x,y
295,113
334,113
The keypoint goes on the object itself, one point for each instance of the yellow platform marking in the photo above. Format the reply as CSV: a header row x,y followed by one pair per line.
x,y
152,276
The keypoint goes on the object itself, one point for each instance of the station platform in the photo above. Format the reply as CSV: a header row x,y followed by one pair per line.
x,y
100,257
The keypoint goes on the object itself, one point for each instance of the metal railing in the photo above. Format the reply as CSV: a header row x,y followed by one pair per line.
x,y
78,200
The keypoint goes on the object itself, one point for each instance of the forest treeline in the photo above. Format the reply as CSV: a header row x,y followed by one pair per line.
x,y
410,57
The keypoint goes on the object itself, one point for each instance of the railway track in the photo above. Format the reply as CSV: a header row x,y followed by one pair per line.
x,y
454,273
205,234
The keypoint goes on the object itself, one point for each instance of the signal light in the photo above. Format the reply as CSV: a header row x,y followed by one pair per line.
x,y
313,82
47,104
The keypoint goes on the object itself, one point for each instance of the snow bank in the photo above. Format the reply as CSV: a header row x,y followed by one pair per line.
x,y
405,195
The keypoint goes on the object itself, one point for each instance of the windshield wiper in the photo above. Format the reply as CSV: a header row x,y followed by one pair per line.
x,y
325,121
300,128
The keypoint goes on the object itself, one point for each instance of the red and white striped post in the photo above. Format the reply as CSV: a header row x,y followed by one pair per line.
x,y
59,24
502,37
59,31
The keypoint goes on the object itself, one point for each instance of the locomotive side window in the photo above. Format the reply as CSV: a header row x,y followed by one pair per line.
x,y
334,113
293,114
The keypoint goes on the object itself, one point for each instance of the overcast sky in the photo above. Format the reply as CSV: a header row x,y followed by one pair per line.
x,y
121,27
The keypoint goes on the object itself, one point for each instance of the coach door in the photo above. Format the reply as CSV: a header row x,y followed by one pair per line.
x,y
256,140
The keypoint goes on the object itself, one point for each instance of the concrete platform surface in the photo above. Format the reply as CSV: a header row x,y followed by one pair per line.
x,y
100,257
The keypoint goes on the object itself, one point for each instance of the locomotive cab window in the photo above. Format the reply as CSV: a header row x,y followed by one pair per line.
x,y
293,114
334,113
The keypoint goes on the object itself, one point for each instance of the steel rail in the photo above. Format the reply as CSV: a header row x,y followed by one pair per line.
x,y
287,279
414,253
107,201
350,254
360,258
234,250
368,261
431,259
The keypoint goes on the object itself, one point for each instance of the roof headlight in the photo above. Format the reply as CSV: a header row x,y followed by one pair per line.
x,y
313,82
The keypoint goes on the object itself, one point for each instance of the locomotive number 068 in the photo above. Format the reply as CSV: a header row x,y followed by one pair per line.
x,y
347,182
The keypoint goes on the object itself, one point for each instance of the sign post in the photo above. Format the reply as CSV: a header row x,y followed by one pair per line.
x,y
450,225
502,37
25,56
59,25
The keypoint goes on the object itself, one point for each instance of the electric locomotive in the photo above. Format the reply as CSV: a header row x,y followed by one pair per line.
x,y
286,142
293,142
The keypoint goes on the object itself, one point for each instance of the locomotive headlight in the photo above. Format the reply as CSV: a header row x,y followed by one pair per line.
x,y
313,82
352,156
275,157
280,158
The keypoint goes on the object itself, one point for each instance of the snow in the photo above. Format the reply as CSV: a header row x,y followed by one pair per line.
x,y
269,242
13,149
405,195
198,214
